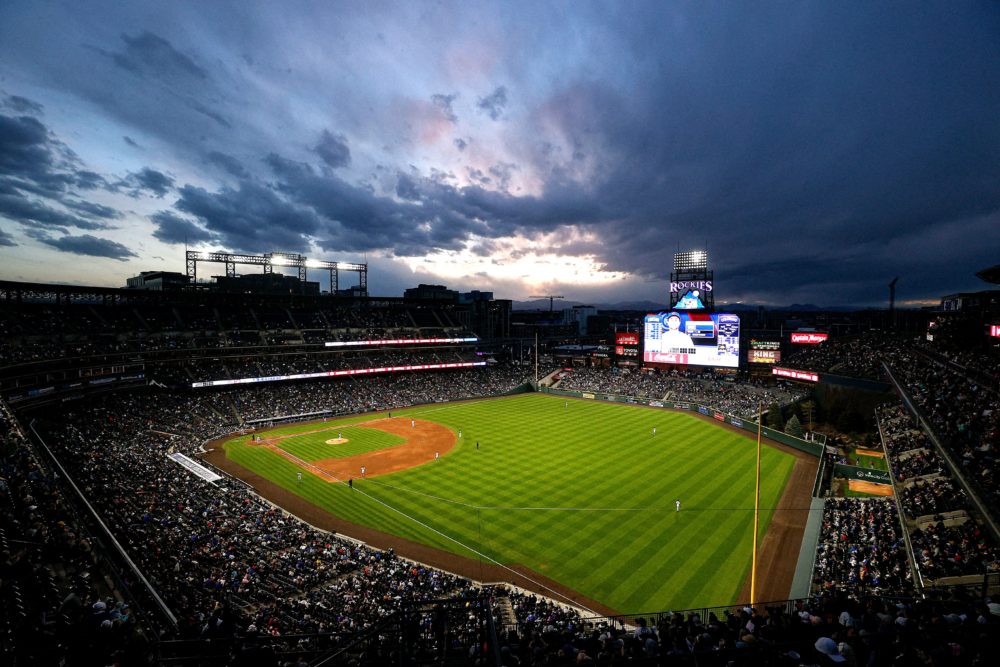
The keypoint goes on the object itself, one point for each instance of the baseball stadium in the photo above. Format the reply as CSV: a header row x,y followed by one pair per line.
x,y
499,334
365,480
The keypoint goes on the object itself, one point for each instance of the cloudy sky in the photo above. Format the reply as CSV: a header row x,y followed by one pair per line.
x,y
818,149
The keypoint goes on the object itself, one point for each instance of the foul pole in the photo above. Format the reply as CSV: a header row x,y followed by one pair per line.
x,y
536,360
756,509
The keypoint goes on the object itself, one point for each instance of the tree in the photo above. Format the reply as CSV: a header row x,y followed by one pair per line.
x,y
794,427
774,418
808,411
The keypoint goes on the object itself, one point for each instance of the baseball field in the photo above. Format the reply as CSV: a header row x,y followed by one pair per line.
x,y
577,492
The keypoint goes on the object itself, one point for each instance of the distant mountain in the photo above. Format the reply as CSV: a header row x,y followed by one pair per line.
x,y
646,306
543,304
653,307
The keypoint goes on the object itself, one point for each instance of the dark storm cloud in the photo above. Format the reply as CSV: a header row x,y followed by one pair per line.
x,y
130,141
148,54
35,162
146,180
23,145
807,151
19,104
286,168
494,103
88,245
89,180
406,188
33,214
6,239
39,176
333,150
93,210
250,218
810,144
171,228
444,102
228,163
355,217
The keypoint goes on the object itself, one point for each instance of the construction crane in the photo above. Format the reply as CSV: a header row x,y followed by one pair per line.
x,y
550,297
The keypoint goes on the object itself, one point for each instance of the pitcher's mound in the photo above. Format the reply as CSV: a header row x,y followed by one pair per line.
x,y
337,441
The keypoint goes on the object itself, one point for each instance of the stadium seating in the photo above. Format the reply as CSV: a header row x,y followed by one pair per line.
x,y
235,569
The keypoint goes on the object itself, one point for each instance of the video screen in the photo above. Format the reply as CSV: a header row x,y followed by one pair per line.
x,y
699,339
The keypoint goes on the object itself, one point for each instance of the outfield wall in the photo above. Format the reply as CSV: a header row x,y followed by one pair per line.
x,y
811,448
861,474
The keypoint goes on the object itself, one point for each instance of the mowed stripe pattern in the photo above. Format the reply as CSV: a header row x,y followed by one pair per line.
x,y
580,491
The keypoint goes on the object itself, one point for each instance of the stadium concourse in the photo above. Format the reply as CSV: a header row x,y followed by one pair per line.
x,y
226,569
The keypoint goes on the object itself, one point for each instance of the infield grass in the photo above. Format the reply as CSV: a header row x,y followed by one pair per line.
x,y
308,441
580,491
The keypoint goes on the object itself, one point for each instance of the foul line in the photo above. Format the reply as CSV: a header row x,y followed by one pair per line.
x,y
417,521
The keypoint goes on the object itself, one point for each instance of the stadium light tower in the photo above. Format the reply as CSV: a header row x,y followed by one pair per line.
x,y
550,297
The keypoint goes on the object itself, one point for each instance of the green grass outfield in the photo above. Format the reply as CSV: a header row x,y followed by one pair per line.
x,y
580,491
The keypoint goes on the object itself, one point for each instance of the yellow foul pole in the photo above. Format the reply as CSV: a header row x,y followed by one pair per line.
x,y
756,510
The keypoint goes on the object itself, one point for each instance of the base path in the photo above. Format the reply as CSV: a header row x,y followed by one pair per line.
x,y
424,442
472,568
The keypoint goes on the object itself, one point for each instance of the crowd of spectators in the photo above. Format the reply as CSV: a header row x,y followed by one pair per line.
x,y
228,563
208,548
927,497
830,629
55,607
623,381
960,548
952,546
737,398
859,356
275,364
963,414
861,546
31,333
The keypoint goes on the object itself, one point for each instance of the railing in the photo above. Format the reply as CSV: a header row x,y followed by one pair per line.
x,y
143,589
981,508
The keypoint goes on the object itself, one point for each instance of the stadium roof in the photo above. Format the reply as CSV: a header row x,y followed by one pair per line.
x,y
990,275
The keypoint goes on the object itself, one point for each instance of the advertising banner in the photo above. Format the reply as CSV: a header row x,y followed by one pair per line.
x,y
793,374
863,474
627,344
809,337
